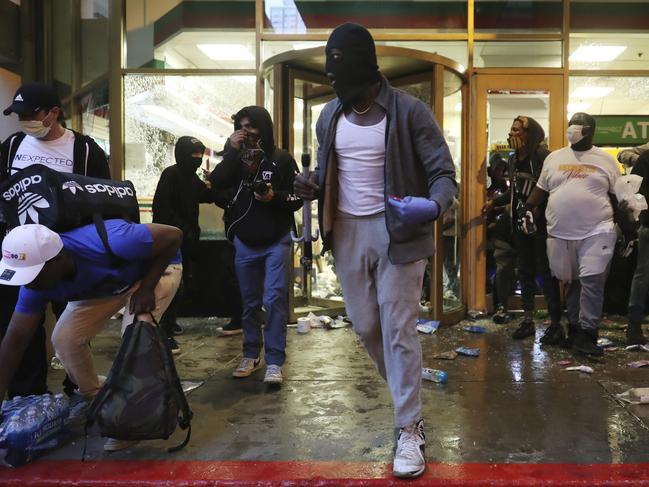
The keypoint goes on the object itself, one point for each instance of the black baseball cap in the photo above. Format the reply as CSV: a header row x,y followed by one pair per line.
x,y
32,97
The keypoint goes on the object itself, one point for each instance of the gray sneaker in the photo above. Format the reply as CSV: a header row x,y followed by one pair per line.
x,y
273,375
409,458
246,367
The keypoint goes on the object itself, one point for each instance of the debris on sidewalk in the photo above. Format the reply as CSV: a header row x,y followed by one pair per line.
x,y
581,368
339,322
475,329
434,375
476,315
637,347
189,385
636,395
450,355
637,364
427,326
606,343
564,363
468,352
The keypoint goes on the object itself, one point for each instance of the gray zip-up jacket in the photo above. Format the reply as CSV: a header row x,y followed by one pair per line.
x,y
417,163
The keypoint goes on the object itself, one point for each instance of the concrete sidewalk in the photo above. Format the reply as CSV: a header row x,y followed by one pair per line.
x,y
502,416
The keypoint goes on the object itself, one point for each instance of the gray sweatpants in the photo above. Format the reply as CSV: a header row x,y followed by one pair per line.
x,y
382,301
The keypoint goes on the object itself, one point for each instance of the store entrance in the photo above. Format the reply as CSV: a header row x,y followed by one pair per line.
x,y
296,90
500,99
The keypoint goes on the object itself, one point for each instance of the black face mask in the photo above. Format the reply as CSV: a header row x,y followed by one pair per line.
x,y
351,61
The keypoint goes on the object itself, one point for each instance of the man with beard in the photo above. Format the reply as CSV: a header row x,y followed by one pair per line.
x,y
258,219
384,175
525,164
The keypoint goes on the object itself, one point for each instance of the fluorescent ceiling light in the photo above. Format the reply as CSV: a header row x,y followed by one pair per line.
x,y
298,46
226,52
591,92
578,107
596,54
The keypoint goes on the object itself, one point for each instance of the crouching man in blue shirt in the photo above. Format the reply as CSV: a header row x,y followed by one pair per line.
x,y
143,276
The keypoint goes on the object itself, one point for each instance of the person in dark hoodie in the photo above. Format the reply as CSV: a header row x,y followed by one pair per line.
x,y
525,164
258,219
175,203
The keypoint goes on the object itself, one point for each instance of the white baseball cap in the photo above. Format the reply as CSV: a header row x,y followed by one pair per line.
x,y
25,250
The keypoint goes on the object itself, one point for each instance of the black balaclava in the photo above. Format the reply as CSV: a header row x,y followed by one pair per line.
x,y
581,130
185,147
354,69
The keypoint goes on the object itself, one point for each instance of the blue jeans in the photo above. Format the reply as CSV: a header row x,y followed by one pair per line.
x,y
640,283
263,275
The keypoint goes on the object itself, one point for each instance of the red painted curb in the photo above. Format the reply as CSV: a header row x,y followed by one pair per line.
x,y
288,474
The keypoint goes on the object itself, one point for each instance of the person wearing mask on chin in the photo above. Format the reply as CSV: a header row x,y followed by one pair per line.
x,y
578,183
176,202
384,174
43,140
525,163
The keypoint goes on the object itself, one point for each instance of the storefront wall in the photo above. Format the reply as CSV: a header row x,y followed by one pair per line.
x,y
181,67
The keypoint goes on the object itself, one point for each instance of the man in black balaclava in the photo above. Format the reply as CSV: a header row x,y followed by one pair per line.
x,y
386,174
175,203
578,182
525,163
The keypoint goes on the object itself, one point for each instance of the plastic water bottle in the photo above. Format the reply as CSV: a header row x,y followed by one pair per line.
x,y
434,375
475,329
62,404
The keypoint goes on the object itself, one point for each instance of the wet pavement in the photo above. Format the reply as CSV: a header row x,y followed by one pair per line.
x,y
512,404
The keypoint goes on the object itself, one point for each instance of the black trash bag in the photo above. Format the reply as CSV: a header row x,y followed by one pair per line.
x,y
142,398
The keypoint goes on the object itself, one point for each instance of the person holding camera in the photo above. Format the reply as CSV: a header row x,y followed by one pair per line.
x,y
258,219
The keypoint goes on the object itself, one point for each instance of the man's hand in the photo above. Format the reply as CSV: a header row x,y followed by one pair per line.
x,y
269,195
488,207
306,189
237,138
142,301
526,223
412,210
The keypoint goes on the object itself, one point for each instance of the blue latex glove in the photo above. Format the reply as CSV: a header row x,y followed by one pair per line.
x,y
414,209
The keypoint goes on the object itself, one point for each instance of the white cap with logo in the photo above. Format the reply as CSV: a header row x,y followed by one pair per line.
x,y
25,250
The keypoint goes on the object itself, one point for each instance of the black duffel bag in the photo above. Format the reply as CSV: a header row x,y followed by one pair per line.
x,y
142,398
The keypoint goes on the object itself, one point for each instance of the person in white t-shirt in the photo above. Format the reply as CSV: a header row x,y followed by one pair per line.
x,y
43,140
579,183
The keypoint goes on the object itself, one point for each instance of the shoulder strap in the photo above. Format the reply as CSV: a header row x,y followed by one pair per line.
x,y
14,143
100,225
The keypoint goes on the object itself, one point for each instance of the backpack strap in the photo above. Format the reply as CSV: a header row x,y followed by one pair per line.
x,y
100,225
14,143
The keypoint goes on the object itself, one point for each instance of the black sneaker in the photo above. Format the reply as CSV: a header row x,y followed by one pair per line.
x,y
524,330
634,335
231,328
177,329
586,343
570,338
173,345
553,335
500,317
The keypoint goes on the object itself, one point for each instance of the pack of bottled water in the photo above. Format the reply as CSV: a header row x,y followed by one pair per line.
x,y
31,424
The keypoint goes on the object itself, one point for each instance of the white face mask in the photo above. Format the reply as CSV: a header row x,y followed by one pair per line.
x,y
35,128
575,134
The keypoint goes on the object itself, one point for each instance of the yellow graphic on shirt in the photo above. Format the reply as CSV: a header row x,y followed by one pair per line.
x,y
577,171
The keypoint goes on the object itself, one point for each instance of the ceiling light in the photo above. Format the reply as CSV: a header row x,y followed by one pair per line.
x,y
298,46
591,92
246,80
578,107
600,54
226,52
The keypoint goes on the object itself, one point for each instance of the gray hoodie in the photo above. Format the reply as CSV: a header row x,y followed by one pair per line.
x,y
417,163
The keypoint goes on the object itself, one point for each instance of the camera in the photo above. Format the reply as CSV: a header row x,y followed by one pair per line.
x,y
257,186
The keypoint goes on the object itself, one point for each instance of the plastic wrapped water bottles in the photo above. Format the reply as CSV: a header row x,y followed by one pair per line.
x,y
31,424
434,375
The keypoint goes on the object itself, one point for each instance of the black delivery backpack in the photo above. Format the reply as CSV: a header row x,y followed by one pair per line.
x,y
142,398
63,201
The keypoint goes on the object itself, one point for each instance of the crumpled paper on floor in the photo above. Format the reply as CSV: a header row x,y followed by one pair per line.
x,y
637,395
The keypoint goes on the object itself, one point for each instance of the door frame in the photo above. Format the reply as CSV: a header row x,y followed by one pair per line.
x,y
475,236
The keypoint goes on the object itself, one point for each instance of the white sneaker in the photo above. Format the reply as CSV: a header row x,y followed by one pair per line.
x,y
115,445
409,458
273,375
246,367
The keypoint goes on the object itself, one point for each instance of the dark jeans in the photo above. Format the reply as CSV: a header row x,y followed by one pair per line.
x,y
640,283
533,261
505,257
31,375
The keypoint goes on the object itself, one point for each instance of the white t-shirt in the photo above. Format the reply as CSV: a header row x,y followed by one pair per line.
x,y
361,167
579,184
56,154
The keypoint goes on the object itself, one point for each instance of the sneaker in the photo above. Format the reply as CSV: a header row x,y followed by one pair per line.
x,y
524,330
553,335
501,316
173,345
177,329
409,458
586,343
273,375
115,445
246,367
231,328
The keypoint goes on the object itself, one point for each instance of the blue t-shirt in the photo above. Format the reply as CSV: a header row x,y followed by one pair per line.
x,y
96,275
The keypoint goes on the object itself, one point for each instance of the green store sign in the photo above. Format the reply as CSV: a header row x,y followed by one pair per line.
x,y
619,130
